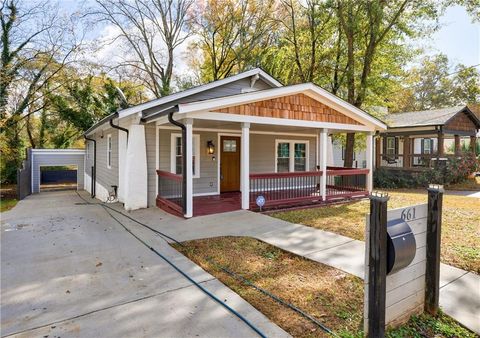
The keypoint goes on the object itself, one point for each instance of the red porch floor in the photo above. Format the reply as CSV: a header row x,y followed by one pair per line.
x,y
208,205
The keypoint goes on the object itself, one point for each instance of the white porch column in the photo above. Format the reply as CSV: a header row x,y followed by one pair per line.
x,y
245,166
369,159
135,193
322,146
189,169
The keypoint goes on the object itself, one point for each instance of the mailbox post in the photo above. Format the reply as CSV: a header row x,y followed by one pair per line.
x,y
434,227
377,260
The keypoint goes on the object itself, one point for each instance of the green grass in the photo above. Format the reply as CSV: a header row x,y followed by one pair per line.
x,y
7,204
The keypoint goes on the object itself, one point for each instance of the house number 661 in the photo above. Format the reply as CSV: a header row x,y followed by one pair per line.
x,y
408,214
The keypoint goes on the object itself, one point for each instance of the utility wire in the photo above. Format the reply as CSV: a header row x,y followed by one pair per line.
x,y
184,274
218,266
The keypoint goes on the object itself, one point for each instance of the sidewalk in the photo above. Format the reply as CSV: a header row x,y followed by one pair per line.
x,y
459,293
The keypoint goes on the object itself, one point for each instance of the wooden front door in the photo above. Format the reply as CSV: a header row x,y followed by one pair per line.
x,y
229,163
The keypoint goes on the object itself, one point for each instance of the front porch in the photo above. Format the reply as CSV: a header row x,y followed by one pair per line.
x,y
279,190
275,144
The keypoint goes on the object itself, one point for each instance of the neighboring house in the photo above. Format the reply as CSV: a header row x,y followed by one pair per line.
x,y
418,140
244,136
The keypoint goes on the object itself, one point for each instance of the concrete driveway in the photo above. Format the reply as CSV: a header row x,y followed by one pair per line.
x,y
71,270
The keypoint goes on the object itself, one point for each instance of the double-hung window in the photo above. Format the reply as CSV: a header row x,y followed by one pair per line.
x,y
109,151
291,156
390,146
427,145
176,166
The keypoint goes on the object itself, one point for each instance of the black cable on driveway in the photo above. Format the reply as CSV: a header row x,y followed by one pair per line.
x,y
218,266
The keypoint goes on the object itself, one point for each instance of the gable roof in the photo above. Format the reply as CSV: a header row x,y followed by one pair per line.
x,y
423,118
309,89
194,90
264,76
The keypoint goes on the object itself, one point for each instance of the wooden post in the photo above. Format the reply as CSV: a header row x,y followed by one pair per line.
x,y
377,261
434,227
323,139
473,144
378,147
441,143
369,160
245,165
457,145
406,152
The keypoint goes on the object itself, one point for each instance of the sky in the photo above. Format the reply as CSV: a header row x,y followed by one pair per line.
x,y
458,38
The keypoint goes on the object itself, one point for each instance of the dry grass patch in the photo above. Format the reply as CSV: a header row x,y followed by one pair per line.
x,y
460,232
334,297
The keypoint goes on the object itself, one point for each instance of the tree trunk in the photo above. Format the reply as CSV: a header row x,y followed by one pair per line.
x,y
349,148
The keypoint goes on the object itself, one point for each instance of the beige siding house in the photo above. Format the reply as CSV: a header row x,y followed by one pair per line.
x,y
246,142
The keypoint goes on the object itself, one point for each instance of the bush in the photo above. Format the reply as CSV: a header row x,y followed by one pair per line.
x,y
453,171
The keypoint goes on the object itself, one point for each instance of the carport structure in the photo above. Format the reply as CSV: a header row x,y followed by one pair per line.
x,y
56,157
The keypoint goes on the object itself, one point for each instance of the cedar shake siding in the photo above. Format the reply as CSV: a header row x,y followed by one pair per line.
x,y
294,107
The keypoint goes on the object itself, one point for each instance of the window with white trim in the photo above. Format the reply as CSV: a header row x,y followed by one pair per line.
x,y
176,162
88,150
390,146
427,145
291,156
109,151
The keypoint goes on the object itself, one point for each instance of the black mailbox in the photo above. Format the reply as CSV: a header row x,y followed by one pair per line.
x,y
401,245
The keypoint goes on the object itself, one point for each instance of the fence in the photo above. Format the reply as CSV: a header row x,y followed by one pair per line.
x,y
170,191
24,176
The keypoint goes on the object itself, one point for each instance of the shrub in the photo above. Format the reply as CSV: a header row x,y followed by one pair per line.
x,y
455,170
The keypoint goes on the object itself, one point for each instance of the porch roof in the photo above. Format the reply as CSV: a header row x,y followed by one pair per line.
x,y
218,105
435,117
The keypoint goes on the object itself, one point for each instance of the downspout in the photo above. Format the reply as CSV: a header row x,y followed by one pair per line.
x,y
117,126
94,168
184,159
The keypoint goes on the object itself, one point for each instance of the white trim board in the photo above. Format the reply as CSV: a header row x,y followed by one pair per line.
x,y
205,115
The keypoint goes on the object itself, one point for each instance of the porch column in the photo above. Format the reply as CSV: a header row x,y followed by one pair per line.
x,y
369,159
406,152
457,145
473,144
135,193
322,140
441,143
189,169
245,166
378,147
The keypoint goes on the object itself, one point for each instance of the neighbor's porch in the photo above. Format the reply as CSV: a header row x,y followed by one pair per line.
x,y
234,163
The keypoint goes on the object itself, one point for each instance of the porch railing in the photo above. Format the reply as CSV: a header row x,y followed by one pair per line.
x,y
282,188
346,182
299,187
170,187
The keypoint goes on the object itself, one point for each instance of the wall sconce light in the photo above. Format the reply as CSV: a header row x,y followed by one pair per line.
x,y
210,148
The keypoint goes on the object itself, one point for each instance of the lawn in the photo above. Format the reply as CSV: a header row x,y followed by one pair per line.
x,y
333,297
8,194
460,223
7,204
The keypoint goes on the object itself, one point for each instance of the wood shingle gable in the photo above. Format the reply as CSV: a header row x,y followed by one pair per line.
x,y
294,107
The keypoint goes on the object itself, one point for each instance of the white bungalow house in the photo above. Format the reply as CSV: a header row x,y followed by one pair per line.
x,y
238,138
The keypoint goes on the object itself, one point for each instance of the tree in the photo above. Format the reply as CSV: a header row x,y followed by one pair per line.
x,y
37,42
152,30
366,26
433,85
231,35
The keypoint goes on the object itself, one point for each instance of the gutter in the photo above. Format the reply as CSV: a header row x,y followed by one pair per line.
x,y
184,158
94,168
115,126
